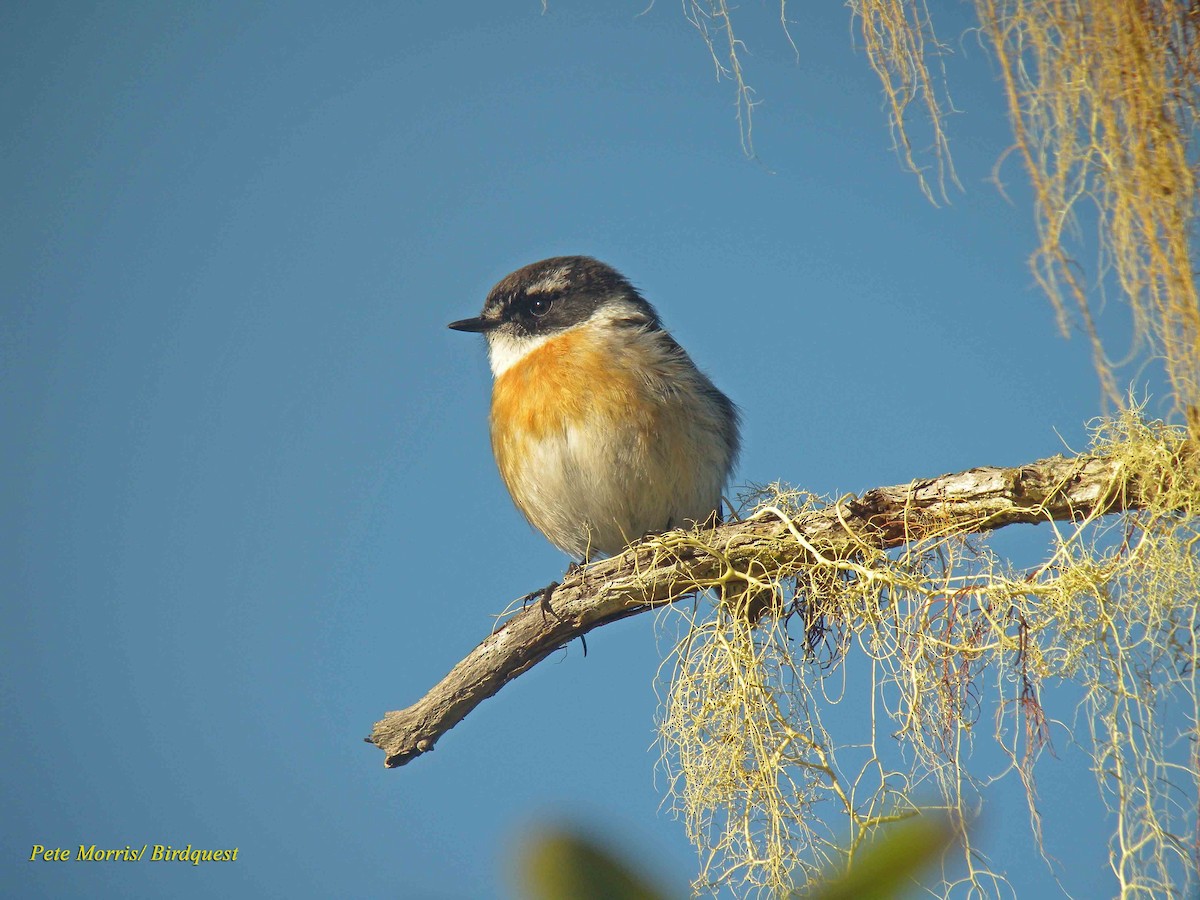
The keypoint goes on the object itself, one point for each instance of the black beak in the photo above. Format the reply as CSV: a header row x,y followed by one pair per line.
x,y
477,325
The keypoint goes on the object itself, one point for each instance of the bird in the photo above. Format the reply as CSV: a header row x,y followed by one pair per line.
x,y
602,427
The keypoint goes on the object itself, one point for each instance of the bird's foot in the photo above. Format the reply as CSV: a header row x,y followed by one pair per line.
x,y
547,593
541,594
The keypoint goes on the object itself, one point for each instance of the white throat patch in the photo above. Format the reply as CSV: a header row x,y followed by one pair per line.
x,y
505,350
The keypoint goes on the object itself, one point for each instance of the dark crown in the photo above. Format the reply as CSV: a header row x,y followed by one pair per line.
x,y
560,292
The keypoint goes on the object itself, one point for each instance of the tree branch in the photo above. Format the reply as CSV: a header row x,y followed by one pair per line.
x,y
645,576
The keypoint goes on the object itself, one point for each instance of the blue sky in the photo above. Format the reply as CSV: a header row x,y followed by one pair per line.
x,y
248,499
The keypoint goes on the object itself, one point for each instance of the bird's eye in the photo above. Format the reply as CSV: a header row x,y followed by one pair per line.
x,y
539,306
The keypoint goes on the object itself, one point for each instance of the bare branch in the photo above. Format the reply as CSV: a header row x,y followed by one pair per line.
x,y
651,573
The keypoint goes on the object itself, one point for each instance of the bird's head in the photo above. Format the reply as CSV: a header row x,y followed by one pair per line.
x,y
544,299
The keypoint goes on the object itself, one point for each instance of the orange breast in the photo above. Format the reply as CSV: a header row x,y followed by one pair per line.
x,y
540,394
564,382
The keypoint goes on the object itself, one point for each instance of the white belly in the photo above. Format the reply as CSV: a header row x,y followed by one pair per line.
x,y
594,488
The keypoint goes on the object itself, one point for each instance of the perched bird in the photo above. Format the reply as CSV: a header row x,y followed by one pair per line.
x,y
602,427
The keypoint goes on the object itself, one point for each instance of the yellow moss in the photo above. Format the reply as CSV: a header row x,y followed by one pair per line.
x,y
1104,99
769,795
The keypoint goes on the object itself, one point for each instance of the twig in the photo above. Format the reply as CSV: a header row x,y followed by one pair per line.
x,y
648,574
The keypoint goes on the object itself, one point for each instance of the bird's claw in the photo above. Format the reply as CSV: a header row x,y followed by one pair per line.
x,y
547,593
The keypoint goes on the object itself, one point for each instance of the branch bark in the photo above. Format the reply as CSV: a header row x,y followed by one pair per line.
x,y
643,577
